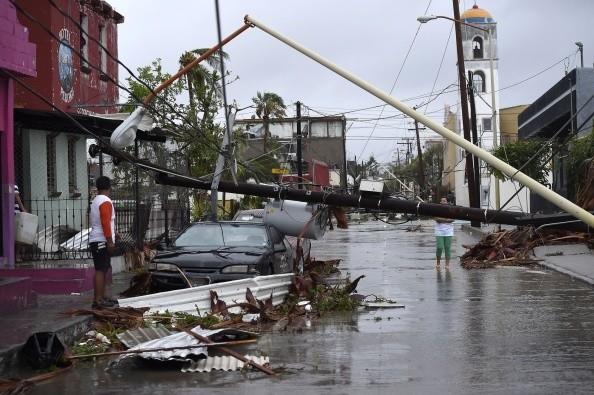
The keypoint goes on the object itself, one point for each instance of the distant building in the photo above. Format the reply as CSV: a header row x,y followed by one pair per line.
x,y
323,140
508,123
17,56
566,109
51,152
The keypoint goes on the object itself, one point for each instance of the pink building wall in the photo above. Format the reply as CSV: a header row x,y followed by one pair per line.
x,y
17,56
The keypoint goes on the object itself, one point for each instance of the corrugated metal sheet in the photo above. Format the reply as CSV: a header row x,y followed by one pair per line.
x,y
79,242
225,363
182,339
197,299
137,336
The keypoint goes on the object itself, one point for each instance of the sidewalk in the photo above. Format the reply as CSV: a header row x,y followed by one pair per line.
x,y
575,260
47,317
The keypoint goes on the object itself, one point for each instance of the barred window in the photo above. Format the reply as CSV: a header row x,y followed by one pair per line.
x,y
50,145
478,81
72,187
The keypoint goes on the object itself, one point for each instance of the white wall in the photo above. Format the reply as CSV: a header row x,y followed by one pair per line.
x,y
65,209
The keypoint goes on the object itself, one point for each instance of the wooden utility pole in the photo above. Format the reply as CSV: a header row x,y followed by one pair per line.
x,y
475,139
472,198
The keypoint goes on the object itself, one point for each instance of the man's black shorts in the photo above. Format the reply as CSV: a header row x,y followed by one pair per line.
x,y
101,257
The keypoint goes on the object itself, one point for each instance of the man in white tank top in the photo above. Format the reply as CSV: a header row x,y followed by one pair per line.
x,y
102,239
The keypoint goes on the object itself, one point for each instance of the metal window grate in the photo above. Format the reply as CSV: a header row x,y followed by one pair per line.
x,y
50,144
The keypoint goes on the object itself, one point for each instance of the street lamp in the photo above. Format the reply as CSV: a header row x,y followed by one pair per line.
x,y
580,46
427,18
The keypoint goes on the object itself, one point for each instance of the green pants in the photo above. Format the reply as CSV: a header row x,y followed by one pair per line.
x,y
444,243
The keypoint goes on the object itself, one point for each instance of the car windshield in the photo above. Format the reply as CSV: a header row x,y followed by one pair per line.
x,y
222,235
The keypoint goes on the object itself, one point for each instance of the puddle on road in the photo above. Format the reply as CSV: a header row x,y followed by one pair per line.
x,y
463,332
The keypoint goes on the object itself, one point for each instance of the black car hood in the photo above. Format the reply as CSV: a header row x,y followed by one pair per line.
x,y
200,258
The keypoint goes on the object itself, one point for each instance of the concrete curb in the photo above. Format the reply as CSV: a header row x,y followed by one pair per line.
x,y
567,272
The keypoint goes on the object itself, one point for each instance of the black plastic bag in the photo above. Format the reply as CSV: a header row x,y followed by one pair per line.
x,y
42,350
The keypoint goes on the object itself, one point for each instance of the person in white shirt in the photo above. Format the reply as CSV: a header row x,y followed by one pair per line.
x,y
444,231
102,239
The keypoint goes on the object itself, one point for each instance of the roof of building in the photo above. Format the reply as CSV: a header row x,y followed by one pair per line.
x,y
477,15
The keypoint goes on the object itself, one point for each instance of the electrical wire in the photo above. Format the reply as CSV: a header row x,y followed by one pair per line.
x,y
207,140
398,74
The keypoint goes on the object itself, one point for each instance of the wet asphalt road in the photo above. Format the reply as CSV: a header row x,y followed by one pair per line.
x,y
499,331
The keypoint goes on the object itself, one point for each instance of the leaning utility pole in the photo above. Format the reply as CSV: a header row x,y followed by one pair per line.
x,y
220,165
422,185
472,198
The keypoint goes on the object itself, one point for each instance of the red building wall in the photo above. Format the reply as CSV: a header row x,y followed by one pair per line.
x,y
60,75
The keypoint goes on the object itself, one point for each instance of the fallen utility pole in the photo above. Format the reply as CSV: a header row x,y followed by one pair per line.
x,y
338,199
534,186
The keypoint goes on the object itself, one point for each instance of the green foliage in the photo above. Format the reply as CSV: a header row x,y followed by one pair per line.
x,y
517,153
268,105
195,136
579,151
363,170
334,299
432,164
201,206
89,347
182,320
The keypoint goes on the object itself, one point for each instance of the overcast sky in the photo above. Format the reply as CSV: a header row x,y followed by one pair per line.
x,y
370,38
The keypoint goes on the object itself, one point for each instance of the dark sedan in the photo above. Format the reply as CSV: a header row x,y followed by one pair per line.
x,y
212,252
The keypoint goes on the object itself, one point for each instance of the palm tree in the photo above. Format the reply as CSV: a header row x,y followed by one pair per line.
x,y
200,76
268,105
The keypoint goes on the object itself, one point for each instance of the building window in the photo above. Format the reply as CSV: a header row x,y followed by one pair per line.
x,y
478,81
477,47
50,145
84,44
486,124
102,53
72,187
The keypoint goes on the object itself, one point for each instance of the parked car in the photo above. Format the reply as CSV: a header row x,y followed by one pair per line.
x,y
212,252
257,216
